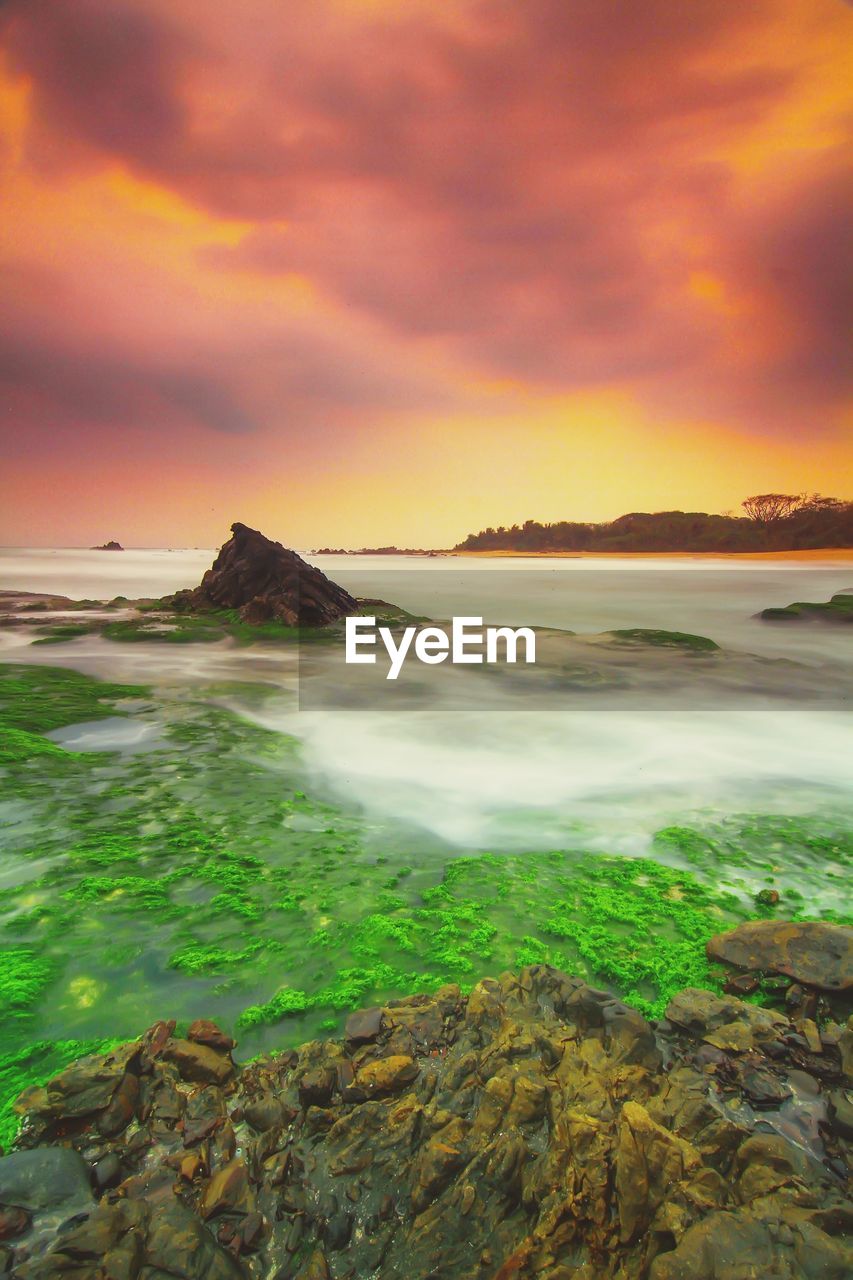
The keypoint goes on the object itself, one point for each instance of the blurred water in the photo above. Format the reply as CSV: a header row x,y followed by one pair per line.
x,y
674,735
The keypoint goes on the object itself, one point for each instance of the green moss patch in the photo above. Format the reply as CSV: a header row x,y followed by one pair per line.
x,y
664,639
838,609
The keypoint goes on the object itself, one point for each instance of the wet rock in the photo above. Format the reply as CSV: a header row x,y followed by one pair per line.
x,y
266,582
121,1108
723,1021
742,985
55,1178
527,1132
811,952
13,1222
228,1191
264,1113
84,1088
364,1025
317,1086
731,1246
841,1112
198,1062
106,1173
761,1086
386,1075
203,1031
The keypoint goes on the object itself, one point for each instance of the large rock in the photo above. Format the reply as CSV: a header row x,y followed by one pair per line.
x,y
819,955
266,582
536,1129
46,1178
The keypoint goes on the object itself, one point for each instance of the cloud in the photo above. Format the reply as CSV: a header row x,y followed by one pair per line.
x,y
528,188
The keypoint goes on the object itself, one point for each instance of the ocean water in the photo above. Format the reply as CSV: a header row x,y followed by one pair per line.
x,y
264,819
766,724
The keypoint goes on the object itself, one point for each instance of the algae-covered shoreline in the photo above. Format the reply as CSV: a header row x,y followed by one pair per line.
x,y
335,961
199,874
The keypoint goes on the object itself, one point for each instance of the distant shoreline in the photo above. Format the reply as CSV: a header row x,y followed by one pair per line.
x,y
843,555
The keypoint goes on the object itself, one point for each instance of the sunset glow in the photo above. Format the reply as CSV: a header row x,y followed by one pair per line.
x,y
358,272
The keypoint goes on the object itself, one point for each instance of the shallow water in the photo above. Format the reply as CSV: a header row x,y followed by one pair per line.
x,y
473,761
264,821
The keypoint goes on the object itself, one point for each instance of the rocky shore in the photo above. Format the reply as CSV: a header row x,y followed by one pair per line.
x,y
536,1127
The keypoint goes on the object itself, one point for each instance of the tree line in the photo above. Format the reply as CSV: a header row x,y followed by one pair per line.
x,y
771,522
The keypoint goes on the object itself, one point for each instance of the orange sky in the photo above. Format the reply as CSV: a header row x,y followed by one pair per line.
x,y
361,272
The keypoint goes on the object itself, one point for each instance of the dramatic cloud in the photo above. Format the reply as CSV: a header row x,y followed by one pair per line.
x,y
354,216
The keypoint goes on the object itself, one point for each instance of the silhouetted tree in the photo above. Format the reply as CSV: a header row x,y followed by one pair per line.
x,y
769,508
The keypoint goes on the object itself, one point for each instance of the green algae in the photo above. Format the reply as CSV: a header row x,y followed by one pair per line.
x,y
39,699
60,632
838,609
33,1066
23,977
664,639
207,878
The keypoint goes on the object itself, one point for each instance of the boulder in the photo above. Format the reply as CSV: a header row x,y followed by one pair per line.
x,y
266,582
811,952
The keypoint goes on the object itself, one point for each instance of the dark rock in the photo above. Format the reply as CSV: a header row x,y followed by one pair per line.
x,y
55,1178
121,1108
364,1025
109,546
198,1062
811,952
527,1133
317,1086
264,1113
266,582
228,1191
13,1222
841,1112
203,1031
724,1022
744,984
107,1172
762,1087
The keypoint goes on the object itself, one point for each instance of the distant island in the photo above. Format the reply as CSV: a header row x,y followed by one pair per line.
x,y
771,522
376,551
108,546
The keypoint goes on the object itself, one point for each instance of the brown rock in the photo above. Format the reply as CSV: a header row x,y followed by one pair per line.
x,y
817,954
13,1222
267,582
228,1191
364,1025
198,1062
386,1075
203,1031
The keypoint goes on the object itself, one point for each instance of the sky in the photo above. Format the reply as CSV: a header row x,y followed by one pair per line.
x,y
361,272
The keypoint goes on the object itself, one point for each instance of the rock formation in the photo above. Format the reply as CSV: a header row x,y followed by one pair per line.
x,y
108,546
811,952
265,582
536,1128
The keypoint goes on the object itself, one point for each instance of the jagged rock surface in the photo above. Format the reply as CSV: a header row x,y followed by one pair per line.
x,y
266,582
536,1128
817,954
